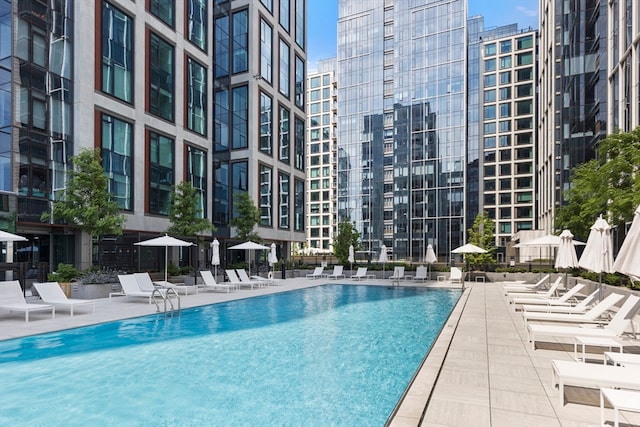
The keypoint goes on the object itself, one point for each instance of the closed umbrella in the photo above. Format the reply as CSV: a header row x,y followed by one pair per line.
x,y
165,241
215,256
566,257
430,257
383,258
352,256
628,260
273,256
597,255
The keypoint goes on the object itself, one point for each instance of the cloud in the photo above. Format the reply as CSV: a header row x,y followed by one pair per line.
x,y
526,11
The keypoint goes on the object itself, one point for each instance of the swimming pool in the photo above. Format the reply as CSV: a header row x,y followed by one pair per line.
x,y
327,355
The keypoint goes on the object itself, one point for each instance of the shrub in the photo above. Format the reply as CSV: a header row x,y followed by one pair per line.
x,y
64,273
95,276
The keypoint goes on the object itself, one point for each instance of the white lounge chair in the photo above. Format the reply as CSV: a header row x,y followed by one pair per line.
x,y
131,288
12,299
244,278
51,293
456,275
421,273
398,274
317,273
549,293
146,284
361,273
526,287
564,299
614,329
592,375
209,283
590,316
581,307
337,272
235,280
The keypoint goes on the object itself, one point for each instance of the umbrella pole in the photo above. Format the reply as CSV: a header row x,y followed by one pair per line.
x,y
166,258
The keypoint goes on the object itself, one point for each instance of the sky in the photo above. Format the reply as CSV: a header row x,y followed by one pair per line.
x,y
323,17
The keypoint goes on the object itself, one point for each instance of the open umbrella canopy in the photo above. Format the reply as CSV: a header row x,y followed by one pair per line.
x,y
628,260
164,241
430,256
10,237
548,240
597,255
251,246
469,248
566,257
273,256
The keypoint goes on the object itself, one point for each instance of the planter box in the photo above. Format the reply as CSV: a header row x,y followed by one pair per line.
x,y
94,290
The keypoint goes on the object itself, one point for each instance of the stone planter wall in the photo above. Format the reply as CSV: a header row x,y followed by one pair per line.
x,y
94,290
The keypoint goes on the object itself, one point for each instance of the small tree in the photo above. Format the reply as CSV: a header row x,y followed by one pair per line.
x,y
482,234
184,212
347,236
85,203
248,215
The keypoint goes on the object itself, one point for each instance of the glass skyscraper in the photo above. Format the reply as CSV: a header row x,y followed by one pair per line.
x,y
402,124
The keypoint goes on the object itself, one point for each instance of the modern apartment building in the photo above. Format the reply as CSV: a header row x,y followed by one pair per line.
x,y
322,145
402,124
212,93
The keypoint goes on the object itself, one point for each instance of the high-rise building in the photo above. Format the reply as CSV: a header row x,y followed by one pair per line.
x,y
321,157
402,124
212,93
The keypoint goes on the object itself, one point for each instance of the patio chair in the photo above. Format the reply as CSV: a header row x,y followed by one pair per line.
x,y
51,293
131,288
421,273
526,287
562,300
12,299
398,274
146,284
539,295
456,275
244,278
580,307
614,329
592,375
209,283
337,272
235,280
361,273
317,273
590,316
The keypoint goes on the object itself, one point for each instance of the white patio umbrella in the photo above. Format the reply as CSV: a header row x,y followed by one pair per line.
x,y
628,259
430,257
566,257
249,246
597,255
352,256
469,248
165,241
273,257
383,258
215,256
10,237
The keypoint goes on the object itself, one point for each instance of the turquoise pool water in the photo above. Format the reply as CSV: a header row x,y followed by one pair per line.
x,y
327,355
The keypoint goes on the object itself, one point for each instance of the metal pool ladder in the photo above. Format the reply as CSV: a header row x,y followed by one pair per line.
x,y
167,296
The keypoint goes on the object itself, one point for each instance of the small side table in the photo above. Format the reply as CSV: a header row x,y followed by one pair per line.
x,y
593,341
621,400
442,278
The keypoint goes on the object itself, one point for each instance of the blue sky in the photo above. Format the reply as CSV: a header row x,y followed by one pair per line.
x,y
323,18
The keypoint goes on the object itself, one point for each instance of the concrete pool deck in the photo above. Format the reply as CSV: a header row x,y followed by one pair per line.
x,y
481,370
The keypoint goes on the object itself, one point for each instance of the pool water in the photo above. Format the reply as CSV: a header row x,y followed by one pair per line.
x,y
327,355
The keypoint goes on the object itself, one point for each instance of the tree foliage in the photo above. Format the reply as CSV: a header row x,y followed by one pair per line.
x,y
482,234
85,203
608,185
248,215
347,235
184,212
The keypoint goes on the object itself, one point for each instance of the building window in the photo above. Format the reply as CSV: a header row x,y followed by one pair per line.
x,y
284,135
300,18
299,83
197,97
525,42
117,53
221,192
266,195
285,77
283,181
505,46
266,123
268,4
240,117
505,62
161,166
298,224
299,144
266,50
524,58
221,46
162,9
197,22
490,49
490,64
197,176
117,143
240,47
239,181
489,80
161,81
222,120
285,14
505,77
